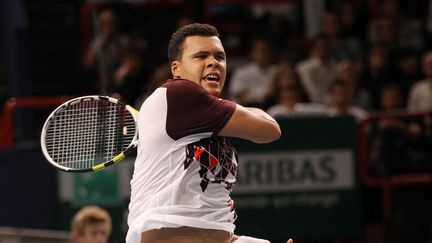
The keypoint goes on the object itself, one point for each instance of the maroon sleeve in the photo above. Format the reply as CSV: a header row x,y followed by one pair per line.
x,y
191,110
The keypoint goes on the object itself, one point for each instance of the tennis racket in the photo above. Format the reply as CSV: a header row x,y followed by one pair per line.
x,y
89,133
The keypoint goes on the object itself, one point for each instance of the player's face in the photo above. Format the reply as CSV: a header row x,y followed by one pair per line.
x,y
203,61
94,233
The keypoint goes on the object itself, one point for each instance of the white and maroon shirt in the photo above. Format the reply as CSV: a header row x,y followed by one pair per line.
x,y
184,172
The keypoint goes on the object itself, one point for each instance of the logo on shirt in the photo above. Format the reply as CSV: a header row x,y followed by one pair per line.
x,y
218,161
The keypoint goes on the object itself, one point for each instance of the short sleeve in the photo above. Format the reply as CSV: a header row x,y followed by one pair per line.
x,y
192,110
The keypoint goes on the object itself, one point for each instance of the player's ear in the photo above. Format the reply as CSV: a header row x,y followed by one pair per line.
x,y
175,69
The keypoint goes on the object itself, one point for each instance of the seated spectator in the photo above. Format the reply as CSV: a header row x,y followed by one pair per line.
x,y
352,19
91,224
378,71
387,133
340,104
408,71
104,53
285,75
317,72
287,98
383,31
391,98
347,72
248,84
340,47
420,95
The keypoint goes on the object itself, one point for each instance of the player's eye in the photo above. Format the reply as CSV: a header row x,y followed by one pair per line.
x,y
220,57
201,56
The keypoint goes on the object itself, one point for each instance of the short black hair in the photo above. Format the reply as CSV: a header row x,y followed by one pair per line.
x,y
177,39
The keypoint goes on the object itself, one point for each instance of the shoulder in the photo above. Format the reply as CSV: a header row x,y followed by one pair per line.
x,y
183,93
183,87
180,83
420,86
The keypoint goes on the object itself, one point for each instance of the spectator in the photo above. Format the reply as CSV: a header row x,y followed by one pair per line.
x,y
340,104
131,77
91,224
391,98
408,70
139,41
388,133
383,32
287,99
420,95
289,104
317,72
377,72
285,75
249,83
161,74
339,47
104,53
352,19
348,72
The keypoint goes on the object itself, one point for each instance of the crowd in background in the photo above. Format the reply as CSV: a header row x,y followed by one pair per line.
x,y
347,67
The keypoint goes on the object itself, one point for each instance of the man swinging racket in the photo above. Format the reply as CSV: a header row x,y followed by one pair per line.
x,y
185,167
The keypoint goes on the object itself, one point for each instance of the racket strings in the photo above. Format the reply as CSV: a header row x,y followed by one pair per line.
x,y
88,133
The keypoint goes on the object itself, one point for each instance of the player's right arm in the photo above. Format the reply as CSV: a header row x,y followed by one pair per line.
x,y
252,124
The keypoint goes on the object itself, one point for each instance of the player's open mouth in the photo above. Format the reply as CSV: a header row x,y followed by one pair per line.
x,y
212,77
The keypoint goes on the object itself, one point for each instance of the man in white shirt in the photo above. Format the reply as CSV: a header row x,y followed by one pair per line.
x,y
249,83
420,95
317,72
185,167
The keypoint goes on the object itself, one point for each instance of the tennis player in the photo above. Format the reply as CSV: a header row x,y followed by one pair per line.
x,y
186,168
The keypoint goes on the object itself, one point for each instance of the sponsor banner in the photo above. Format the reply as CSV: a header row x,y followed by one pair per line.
x,y
291,171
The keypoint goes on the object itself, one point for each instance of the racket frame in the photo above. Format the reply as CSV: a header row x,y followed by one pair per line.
x,y
100,166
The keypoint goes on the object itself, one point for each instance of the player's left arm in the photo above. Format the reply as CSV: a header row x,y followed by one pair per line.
x,y
252,124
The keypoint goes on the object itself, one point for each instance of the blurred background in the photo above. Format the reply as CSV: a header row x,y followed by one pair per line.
x,y
350,82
